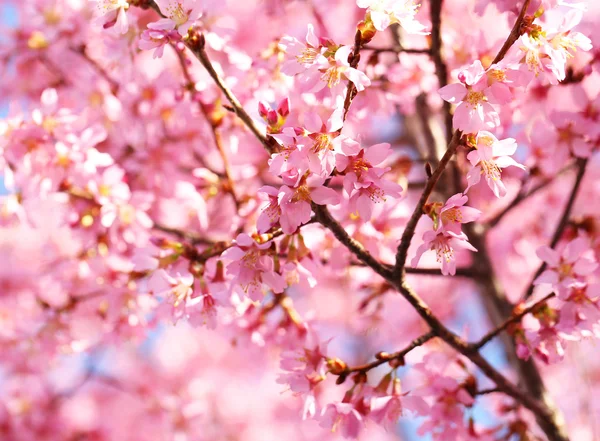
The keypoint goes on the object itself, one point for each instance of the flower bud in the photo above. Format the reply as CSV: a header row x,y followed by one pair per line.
x,y
336,366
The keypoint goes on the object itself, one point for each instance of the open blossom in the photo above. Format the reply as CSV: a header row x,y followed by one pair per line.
x,y
443,243
157,39
180,15
567,266
387,12
581,312
446,416
454,213
321,140
489,158
338,67
292,207
251,266
342,416
387,409
302,55
473,97
548,50
363,181
175,287
111,13
316,71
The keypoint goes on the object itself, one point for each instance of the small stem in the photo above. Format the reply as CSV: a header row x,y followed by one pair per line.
x,y
514,319
395,356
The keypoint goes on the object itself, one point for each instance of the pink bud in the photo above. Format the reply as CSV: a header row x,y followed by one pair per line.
x,y
462,77
523,351
284,107
263,109
299,131
272,117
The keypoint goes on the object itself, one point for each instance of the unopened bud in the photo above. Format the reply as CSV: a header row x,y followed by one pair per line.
x,y
272,117
396,362
284,107
263,109
428,170
336,366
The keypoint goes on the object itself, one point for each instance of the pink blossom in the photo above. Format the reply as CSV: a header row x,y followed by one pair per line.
x,y
157,39
295,203
334,69
453,213
363,182
383,13
387,409
567,266
489,158
111,13
180,15
443,243
342,416
474,100
251,266
304,55
580,315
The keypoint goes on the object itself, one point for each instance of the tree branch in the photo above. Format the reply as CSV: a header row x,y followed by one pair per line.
x,y
383,358
409,230
514,319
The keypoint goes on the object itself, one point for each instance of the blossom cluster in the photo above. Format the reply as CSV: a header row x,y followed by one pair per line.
x,y
199,198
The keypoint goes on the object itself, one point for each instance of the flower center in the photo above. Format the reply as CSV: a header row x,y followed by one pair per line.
x,y
474,98
490,170
564,270
453,215
497,75
301,194
250,259
443,252
322,142
307,56
177,14
332,76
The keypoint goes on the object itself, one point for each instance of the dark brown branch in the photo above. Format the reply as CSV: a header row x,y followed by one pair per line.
x,y
514,35
398,49
386,358
196,44
564,219
409,230
353,59
441,70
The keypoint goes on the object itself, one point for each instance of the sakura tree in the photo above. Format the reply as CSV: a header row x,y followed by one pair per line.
x,y
259,220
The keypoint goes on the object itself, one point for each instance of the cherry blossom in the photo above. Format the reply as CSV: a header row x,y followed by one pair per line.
x,y
383,13
180,15
200,192
570,265
444,244
489,157
474,100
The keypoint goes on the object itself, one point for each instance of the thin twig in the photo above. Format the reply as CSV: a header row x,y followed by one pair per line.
x,y
514,319
398,49
409,230
386,358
